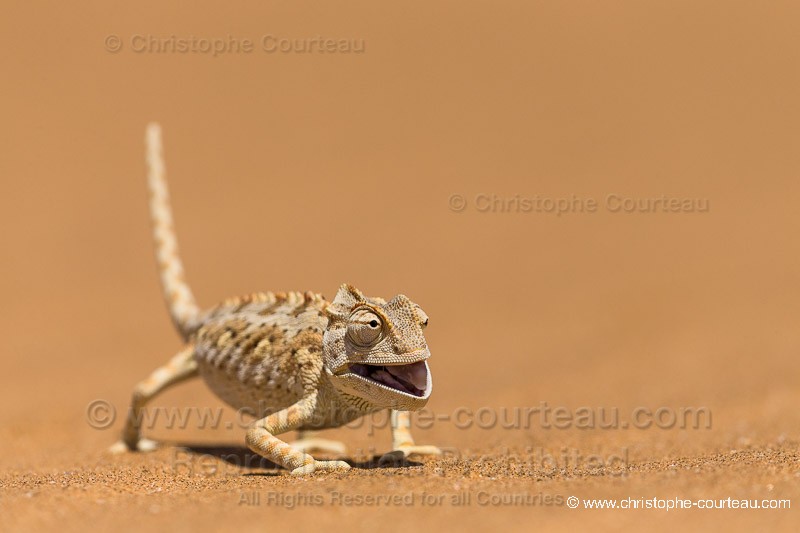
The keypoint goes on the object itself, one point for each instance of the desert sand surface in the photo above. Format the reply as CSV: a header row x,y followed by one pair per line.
x,y
423,154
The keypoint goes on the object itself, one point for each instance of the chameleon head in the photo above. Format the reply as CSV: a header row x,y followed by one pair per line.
x,y
376,350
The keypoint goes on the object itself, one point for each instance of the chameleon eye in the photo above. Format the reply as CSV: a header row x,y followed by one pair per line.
x,y
364,328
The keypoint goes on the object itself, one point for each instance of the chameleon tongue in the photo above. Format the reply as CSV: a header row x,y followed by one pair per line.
x,y
415,373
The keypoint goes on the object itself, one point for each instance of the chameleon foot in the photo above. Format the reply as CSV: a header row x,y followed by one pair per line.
x,y
143,445
321,466
419,450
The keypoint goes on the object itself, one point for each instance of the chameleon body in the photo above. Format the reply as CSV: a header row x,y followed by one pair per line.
x,y
293,360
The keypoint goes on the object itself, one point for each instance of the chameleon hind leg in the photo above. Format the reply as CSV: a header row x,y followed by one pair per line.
x,y
179,369
308,441
262,440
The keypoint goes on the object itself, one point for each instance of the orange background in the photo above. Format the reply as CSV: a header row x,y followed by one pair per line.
x,y
294,171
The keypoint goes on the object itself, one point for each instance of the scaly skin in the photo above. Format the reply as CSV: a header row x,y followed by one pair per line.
x,y
295,361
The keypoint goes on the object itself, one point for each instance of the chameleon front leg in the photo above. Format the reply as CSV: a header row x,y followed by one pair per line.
x,y
262,440
402,441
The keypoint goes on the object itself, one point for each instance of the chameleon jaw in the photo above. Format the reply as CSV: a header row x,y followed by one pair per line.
x,y
356,376
411,379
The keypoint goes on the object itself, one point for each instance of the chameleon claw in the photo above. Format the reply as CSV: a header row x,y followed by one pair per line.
x,y
118,448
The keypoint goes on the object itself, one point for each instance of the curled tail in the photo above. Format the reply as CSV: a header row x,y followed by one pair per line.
x,y
181,302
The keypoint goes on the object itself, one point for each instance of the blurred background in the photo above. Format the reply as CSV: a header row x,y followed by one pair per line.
x,y
298,170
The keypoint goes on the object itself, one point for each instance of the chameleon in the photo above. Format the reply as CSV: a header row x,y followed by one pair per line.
x,y
295,360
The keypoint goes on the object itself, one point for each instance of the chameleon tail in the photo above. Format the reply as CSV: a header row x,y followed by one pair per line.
x,y
181,302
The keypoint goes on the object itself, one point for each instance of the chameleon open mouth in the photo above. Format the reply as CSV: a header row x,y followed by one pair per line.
x,y
411,379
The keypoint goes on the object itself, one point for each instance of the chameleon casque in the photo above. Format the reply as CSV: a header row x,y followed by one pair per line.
x,y
294,359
